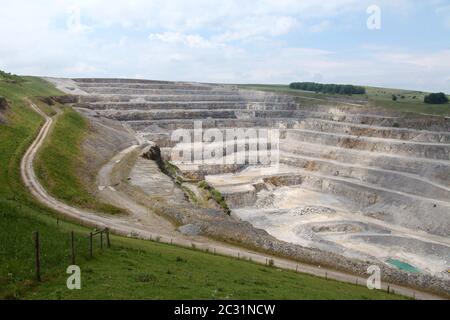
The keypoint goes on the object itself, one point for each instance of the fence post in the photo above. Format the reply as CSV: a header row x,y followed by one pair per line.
x,y
108,243
296,268
101,239
37,255
90,245
72,246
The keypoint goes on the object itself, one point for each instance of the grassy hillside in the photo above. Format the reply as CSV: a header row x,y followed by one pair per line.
x,y
407,100
159,271
59,160
131,268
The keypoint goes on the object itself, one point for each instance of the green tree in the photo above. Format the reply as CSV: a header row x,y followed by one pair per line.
x,y
436,98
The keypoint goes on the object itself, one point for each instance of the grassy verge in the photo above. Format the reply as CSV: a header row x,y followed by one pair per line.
x,y
158,271
59,160
131,268
407,100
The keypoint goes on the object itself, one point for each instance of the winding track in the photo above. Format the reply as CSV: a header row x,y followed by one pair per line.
x,y
133,228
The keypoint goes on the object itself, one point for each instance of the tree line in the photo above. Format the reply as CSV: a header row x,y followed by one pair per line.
x,y
328,88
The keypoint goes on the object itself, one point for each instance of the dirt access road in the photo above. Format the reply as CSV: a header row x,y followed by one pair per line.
x,y
133,226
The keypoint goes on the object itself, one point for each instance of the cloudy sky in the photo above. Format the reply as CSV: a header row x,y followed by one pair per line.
x,y
232,41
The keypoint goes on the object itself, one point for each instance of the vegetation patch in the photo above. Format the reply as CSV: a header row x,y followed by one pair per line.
x,y
9,77
215,195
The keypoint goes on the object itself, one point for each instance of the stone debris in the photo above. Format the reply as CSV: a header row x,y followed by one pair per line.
x,y
311,210
190,229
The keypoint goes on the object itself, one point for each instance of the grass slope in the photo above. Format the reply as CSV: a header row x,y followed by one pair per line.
x,y
379,97
159,271
131,268
59,160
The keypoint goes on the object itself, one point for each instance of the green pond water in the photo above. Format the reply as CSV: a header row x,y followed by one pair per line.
x,y
402,265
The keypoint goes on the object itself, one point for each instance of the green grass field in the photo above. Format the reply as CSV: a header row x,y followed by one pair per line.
x,y
407,100
131,268
159,271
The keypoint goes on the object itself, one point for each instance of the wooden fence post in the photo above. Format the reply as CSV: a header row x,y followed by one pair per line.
x,y
108,243
101,239
90,245
37,255
72,246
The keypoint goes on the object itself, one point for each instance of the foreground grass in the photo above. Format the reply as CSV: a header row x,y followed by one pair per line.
x,y
159,271
407,100
132,268
59,160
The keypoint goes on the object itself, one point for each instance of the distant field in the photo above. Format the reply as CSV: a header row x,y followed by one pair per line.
x,y
131,269
380,97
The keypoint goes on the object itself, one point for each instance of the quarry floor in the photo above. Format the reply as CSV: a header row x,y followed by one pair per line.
x,y
313,219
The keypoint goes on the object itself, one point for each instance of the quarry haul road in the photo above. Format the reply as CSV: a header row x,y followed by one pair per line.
x,y
133,228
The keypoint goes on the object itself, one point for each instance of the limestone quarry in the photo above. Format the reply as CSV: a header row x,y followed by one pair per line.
x,y
352,186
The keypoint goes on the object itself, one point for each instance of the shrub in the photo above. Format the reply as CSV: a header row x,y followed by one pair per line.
x,y
436,98
9,77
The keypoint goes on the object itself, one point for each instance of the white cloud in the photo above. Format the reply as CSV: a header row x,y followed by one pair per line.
x,y
204,40
190,40
320,27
